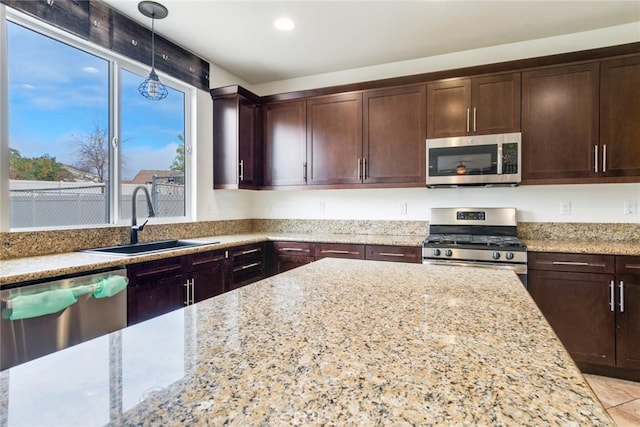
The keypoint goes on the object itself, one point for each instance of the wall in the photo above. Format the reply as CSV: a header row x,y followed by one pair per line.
x,y
589,203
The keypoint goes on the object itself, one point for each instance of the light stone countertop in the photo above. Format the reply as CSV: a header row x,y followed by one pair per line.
x,y
39,267
339,342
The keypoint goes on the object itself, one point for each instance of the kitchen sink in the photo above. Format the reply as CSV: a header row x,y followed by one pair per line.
x,y
147,247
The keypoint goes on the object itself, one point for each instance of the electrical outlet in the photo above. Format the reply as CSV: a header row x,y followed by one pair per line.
x,y
323,207
403,208
630,207
565,208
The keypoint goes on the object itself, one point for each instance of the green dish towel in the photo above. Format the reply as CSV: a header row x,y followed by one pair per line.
x,y
40,304
110,286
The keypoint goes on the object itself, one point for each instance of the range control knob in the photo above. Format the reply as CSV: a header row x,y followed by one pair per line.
x,y
448,252
436,252
509,255
495,255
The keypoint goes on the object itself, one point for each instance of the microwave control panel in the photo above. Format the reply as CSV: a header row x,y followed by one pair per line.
x,y
510,158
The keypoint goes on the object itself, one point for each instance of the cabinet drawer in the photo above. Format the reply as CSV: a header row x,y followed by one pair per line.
x,y
338,250
160,268
581,263
628,265
290,249
394,253
244,253
208,259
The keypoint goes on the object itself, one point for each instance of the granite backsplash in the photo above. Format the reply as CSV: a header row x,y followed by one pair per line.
x,y
32,243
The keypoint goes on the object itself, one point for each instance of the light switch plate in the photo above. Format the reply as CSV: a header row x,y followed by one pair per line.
x,y
565,208
630,207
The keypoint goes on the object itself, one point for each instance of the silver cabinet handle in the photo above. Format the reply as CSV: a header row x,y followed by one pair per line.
x,y
584,264
335,251
604,158
390,254
241,170
621,287
293,250
468,119
611,296
244,267
595,155
364,168
359,168
304,171
250,251
633,266
190,285
474,119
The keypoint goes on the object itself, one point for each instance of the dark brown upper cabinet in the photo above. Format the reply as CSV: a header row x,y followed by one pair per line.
x,y
473,106
620,117
285,143
237,148
394,135
334,139
560,112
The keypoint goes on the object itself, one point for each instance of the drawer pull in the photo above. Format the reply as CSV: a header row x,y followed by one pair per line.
x,y
293,250
621,287
632,266
390,254
581,264
244,267
611,296
250,251
335,251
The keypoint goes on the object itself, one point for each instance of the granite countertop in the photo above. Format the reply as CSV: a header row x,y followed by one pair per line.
x,y
341,342
39,267
34,268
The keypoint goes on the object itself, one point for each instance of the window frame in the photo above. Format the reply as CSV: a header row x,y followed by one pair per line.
x,y
116,63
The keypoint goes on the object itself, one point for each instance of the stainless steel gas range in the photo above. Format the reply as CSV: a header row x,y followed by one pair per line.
x,y
485,237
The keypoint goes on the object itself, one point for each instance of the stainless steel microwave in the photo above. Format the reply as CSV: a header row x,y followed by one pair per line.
x,y
475,160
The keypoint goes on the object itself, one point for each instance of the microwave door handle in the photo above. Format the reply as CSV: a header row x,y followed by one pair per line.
x,y
499,171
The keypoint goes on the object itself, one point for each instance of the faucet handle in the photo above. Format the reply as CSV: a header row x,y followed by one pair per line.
x,y
141,227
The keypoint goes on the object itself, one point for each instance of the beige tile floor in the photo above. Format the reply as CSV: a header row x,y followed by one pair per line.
x,y
620,398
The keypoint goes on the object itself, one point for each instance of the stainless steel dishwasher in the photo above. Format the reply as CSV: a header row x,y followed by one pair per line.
x,y
39,318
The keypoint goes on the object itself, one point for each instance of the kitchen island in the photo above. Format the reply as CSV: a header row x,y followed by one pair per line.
x,y
342,342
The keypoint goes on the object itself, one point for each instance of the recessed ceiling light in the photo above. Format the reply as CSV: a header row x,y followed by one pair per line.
x,y
284,24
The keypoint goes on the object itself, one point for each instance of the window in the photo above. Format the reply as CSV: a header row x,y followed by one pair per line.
x,y
71,129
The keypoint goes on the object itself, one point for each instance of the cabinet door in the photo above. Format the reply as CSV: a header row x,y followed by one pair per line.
x,y
151,297
394,253
448,108
248,151
209,274
628,308
620,116
560,122
334,139
394,135
285,135
495,104
577,306
225,142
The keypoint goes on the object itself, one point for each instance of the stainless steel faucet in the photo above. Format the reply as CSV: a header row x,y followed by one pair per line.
x,y
134,222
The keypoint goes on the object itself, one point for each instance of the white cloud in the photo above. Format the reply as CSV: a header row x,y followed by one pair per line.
x,y
91,70
28,86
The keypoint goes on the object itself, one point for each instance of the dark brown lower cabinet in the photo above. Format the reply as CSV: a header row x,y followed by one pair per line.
x,y
394,253
248,264
158,287
155,288
628,311
592,302
289,255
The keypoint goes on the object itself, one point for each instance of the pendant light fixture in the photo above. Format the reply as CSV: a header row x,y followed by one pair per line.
x,y
151,88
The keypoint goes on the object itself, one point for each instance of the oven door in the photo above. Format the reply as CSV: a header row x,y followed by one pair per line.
x,y
519,269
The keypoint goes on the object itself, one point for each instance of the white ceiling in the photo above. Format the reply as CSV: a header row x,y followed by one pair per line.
x,y
239,36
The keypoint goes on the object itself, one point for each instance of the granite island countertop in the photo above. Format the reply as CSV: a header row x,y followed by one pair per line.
x,y
342,342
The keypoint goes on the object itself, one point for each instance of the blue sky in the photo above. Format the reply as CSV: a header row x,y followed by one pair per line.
x,y
58,93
